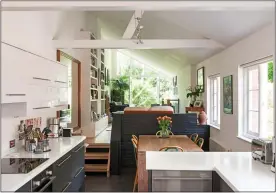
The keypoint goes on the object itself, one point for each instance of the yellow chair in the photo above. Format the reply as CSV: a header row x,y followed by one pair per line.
x,y
194,137
172,148
200,142
135,137
135,144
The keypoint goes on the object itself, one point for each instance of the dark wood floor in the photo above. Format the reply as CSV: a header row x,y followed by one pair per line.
x,y
115,183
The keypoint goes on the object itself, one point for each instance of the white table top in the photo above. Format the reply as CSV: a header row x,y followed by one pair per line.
x,y
237,169
59,147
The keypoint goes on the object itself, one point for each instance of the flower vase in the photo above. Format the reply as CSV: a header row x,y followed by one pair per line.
x,y
163,133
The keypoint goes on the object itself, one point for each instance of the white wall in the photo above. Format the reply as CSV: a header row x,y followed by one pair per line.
x,y
33,31
255,46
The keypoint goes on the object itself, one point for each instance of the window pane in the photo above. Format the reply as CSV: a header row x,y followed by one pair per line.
x,y
215,85
254,100
215,114
215,100
253,75
253,121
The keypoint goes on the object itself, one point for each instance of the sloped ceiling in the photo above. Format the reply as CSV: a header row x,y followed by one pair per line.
x,y
226,27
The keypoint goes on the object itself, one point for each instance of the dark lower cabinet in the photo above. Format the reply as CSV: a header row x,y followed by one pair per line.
x,y
219,185
68,172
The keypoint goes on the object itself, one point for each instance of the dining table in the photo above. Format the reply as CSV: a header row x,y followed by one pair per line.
x,y
155,143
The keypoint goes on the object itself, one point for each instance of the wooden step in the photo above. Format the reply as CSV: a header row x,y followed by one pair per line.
x,y
96,155
96,167
98,145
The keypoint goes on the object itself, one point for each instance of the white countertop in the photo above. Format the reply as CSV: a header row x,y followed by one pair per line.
x,y
237,169
59,147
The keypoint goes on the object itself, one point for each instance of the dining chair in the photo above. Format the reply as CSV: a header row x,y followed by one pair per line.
x,y
172,148
135,137
200,142
135,144
194,137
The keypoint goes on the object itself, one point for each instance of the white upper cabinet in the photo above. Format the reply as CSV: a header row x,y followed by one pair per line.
x,y
14,72
61,76
26,77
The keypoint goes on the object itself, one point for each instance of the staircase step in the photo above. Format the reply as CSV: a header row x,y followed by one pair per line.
x,y
96,155
98,145
95,167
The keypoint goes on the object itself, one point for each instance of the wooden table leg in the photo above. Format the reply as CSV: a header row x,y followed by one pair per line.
x,y
142,173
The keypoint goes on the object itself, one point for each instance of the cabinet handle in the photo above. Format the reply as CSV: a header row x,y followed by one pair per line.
x,y
15,94
41,108
60,81
48,184
75,151
170,178
60,164
45,79
69,183
79,172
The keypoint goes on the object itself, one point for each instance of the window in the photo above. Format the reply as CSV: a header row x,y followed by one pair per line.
x,y
258,99
147,85
214,100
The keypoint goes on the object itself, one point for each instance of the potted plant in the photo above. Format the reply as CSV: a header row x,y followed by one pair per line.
x,y
193,93
164,124
119,85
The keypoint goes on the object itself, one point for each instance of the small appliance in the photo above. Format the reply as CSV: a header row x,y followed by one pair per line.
x,y
273,152
54,126
67,132
262,150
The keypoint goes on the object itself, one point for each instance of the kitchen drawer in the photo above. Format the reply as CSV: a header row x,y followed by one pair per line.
x,y
181,181
78,180
77,158
62,170
187,174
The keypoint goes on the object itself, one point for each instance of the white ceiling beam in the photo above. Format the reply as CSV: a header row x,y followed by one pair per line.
x,y
137,5
132,44
131,27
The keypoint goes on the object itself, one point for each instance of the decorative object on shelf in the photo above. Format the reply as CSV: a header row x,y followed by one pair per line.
x,y
164,124
228,94
201,78
198,103
194,109
118,87
202,118
193,93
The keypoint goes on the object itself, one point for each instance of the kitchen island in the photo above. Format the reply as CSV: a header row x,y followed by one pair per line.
x,y
236,170
66,152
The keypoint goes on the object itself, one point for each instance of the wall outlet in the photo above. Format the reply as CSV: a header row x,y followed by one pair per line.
x,y
12,143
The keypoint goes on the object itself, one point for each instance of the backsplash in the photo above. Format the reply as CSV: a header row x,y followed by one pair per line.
x,y
9,126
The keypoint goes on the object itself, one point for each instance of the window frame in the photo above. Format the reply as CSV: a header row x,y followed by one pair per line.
x,y
246,90
244,131
211,100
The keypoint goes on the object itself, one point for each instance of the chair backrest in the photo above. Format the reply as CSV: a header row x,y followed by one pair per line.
x,y
135,137
200,142
135,144
194,137
171,148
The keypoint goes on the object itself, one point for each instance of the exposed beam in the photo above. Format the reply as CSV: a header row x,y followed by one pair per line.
x,y
132,44
137,5
131,27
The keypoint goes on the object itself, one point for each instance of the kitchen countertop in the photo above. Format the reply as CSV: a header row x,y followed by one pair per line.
x,y
237,169
58,146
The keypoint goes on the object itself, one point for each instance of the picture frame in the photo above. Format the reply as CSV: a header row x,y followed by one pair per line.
x,y
228,94
201,78
198,103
